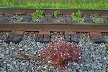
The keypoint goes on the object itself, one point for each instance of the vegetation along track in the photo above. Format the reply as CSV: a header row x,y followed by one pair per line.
x,y
15,27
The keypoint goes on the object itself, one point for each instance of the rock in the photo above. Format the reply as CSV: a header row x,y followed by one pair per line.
x,y
14,62
4,62
8,64
0,41
1,64
22,63
13,70
1,55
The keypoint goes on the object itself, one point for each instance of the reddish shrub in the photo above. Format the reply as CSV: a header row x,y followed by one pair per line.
x,y
60,53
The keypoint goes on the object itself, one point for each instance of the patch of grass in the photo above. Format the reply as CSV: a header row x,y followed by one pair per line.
x,y
94,4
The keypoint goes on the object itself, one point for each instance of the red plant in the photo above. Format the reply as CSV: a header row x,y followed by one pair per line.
x,y
60,53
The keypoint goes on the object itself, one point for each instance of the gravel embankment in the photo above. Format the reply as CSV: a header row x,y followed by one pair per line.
x,y
96,60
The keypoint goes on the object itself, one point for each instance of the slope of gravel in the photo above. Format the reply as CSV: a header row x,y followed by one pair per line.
x,y
96,60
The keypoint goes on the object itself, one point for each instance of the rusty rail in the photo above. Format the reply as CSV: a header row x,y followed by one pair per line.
x,y
51,10
46,28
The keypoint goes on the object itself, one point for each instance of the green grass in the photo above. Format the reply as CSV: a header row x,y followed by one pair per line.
x,y
93,4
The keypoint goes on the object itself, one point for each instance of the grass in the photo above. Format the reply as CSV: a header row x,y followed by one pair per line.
x,y
93,4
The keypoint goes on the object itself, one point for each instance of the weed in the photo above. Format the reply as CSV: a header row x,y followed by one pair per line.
x,y
56,13
98,20
77,17
79,14
60,53
18,14
38,14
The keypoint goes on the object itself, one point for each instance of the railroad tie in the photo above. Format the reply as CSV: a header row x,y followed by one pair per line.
x,y
74,38
98,39
15,38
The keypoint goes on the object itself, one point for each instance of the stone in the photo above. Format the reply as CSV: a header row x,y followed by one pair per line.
x,y
103,70
13,70
4,62
1,41
1,64
8,64
14,62
1,55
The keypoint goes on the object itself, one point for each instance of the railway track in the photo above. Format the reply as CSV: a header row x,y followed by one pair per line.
x,y
31,36
48,27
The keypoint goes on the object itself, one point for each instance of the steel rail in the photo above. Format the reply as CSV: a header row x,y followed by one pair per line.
x,y
51,10
46,28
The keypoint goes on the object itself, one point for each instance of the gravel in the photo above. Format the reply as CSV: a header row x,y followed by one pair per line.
x,y
50,18
58,19
96,56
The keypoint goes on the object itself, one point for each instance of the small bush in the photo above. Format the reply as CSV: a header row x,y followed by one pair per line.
x,y
98,20
38,14
77,17
56,13
59,53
